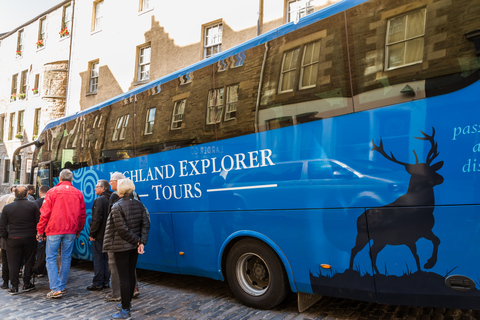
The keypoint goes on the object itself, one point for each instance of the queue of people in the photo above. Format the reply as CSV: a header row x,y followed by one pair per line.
x,y
118,233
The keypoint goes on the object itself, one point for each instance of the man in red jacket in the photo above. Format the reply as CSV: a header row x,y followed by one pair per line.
x,y
62,219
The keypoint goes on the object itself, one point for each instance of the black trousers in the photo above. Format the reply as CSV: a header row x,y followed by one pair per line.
x,y
126,262
5,273
16,249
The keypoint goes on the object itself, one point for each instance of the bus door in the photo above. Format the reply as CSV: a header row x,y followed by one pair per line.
x,y
42,175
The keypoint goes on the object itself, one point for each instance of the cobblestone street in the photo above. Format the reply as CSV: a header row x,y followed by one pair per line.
x,y
166,296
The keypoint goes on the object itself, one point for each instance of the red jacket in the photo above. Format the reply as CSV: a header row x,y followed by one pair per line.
x,y
63,211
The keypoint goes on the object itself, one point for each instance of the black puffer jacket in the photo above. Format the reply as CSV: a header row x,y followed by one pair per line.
x,y
127,225
99,215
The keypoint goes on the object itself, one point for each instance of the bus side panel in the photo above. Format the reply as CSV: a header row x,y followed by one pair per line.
x,y
399,281
304,236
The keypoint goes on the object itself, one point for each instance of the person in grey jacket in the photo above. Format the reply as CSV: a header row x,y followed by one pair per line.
x,y
126,234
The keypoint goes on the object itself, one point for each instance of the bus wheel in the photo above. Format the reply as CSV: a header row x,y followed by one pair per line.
x,y
255,274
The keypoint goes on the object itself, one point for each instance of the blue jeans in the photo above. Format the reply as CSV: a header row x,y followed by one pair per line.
x,y
58,280
100,264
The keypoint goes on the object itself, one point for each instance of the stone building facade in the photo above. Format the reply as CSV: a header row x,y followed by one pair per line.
x,y
33,77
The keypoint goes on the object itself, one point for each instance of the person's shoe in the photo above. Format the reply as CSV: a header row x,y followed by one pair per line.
x,y
94,288
54,294
64,290
40,275
119,306
110,297
122,314
14,291
28,287
105,286
136,293
4,285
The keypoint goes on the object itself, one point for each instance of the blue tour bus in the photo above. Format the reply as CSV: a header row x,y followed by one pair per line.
x,y
335,156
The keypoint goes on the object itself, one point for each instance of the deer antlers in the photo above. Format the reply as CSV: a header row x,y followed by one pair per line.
x,y
432,154
380,150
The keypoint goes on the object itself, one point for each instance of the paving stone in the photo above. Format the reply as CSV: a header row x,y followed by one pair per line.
x,y
179,297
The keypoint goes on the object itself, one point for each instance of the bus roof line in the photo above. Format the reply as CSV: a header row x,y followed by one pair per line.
x,y
268,36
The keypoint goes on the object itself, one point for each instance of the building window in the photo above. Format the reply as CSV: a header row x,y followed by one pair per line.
x,y
213,40
42,24
405,38
289,67
93,84
23,82
97,15
231,106
177,116
215,106
297,9
36,86
36,121
145,5
2,124
120,128
13,93
150,121
21,115
6,172
144,63
20,42
66,20
11,129
309,70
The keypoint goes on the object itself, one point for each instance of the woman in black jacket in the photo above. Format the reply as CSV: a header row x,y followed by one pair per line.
x,y
126,235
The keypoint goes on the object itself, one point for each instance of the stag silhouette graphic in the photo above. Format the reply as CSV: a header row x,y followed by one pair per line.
x,y
410,217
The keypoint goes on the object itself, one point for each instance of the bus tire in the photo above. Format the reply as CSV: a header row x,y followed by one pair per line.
x,y
255,274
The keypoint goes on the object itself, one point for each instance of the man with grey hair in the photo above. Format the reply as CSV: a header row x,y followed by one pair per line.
x,y
62,219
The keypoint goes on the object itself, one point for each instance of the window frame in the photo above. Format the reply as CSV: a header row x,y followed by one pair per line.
x,y
20,121
217,44
218,104
177,117
300,12
42,26
66,19
149,122
144,8
37,121
36,84
229,104
20,36
141,65
23,81
120,128
6,171
291,70
11,128
2,127
303,66
96,19
14,84
405,39
93,79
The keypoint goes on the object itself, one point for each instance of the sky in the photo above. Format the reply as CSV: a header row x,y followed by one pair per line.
x,y
14,13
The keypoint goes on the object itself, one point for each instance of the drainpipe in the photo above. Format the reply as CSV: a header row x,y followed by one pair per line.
x,y
260,84
260,17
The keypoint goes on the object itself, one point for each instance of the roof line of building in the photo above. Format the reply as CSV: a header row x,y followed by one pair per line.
x,y
8,33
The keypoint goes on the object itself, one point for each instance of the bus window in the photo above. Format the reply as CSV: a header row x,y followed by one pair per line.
x,y
303,80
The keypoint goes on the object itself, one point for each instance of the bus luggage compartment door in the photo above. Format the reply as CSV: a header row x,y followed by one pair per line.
x,y
415,250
